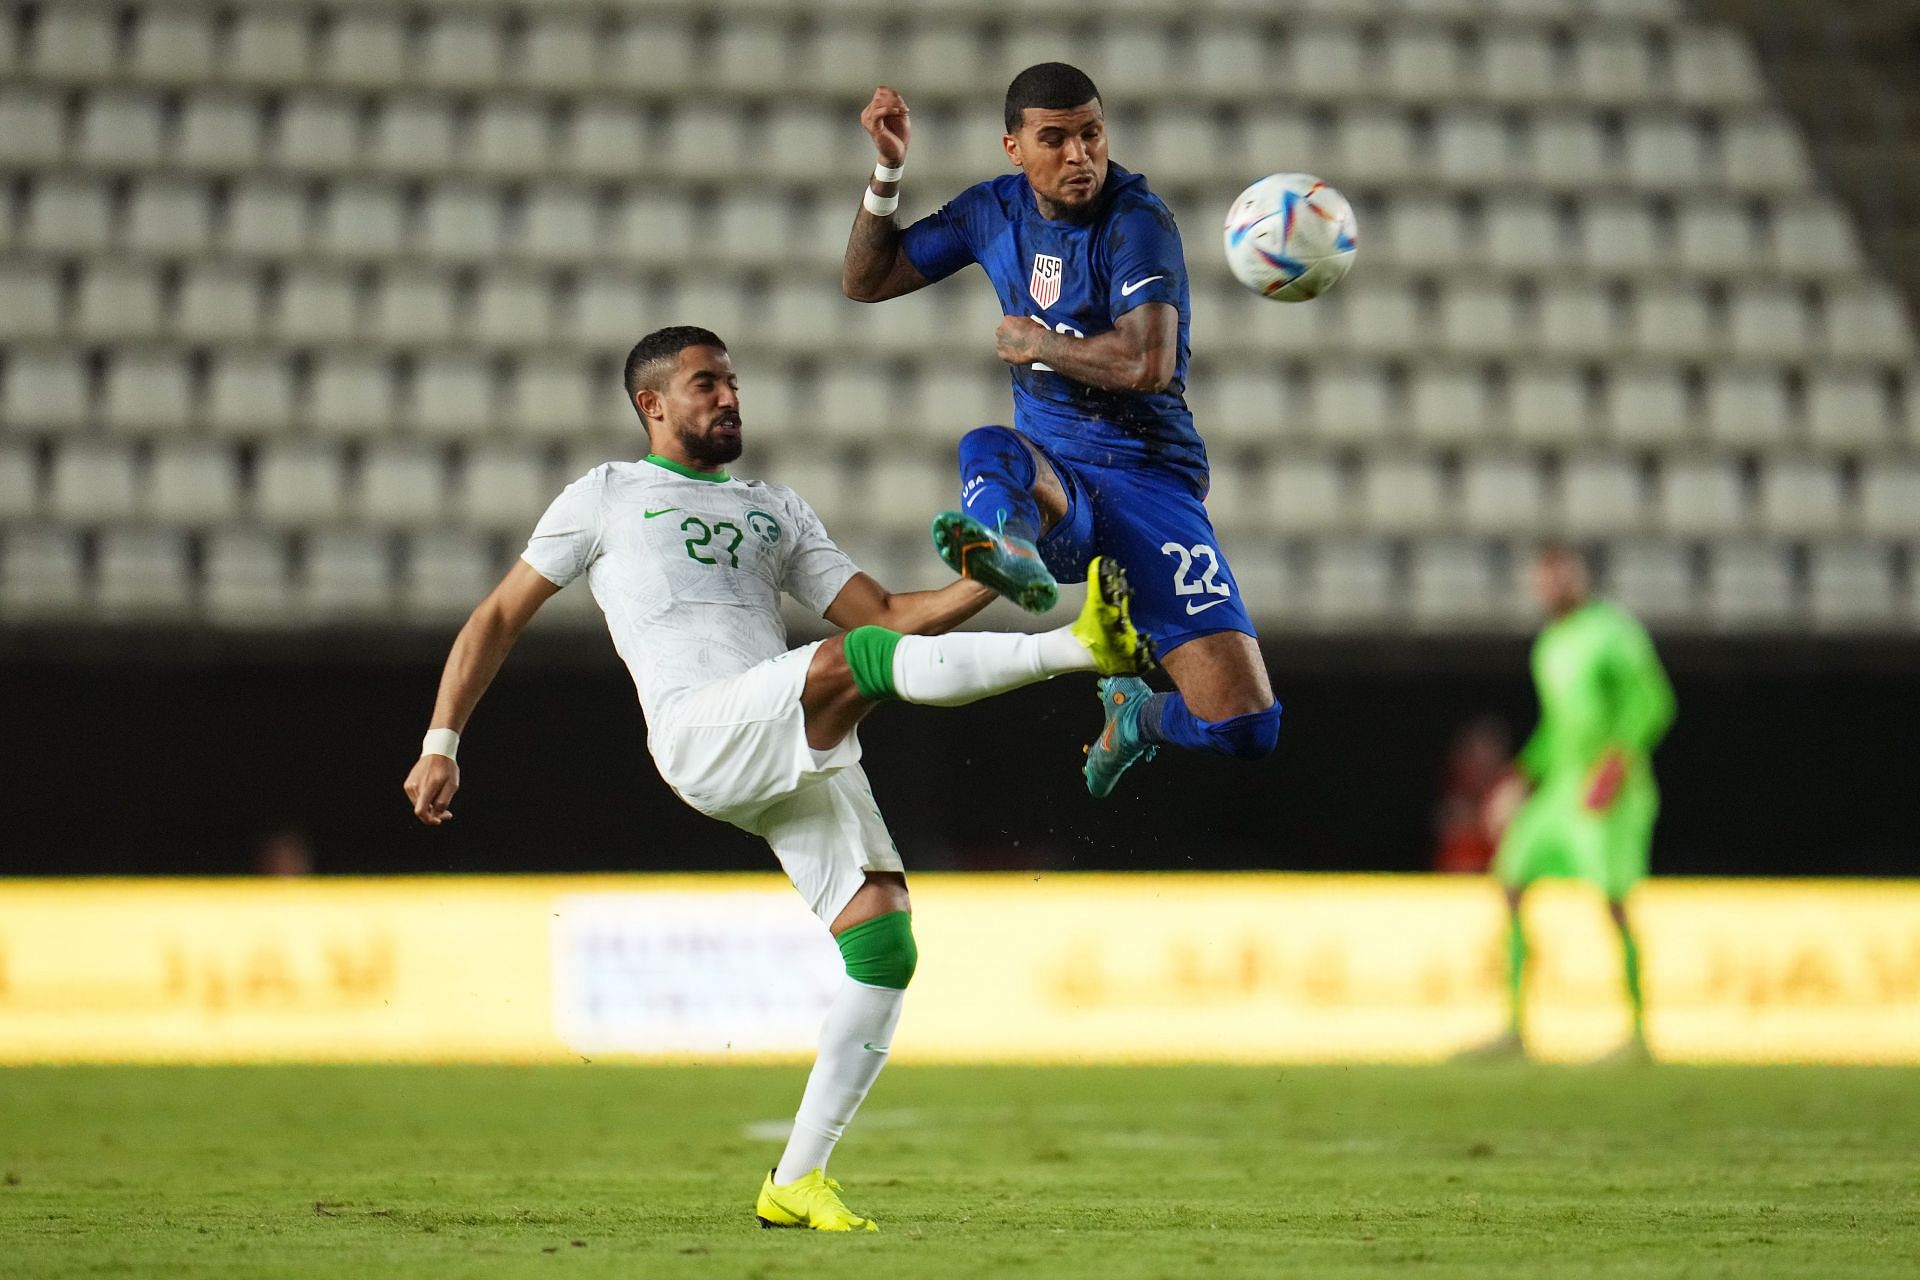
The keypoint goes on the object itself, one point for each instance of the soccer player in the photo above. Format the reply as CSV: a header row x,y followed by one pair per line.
x,y
1581,801
1102,457
688,564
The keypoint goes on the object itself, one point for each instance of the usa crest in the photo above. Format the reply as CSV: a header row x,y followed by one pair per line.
x,y
1045,284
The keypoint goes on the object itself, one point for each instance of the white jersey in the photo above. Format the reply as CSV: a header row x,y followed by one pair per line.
x,y
688,567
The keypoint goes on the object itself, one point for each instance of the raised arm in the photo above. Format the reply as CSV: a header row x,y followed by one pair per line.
x,y
1139,353
478,651
863,602
876,267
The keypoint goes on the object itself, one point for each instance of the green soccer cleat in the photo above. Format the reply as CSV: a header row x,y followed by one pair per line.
x,y
811,1201
1105,624
1003,561
1119,745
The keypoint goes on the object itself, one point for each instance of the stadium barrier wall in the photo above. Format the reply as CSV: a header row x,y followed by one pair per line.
x,y
1200,967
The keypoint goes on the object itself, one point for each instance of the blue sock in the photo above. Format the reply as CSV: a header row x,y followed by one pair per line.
x,y
996,482
1166,720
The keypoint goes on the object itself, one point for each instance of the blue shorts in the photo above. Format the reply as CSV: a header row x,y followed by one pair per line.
x,y
1154,523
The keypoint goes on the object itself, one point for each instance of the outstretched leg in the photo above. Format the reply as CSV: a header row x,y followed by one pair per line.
x,y
1009,496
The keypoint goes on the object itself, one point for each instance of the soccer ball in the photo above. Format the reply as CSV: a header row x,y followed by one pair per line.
x,y
1290,237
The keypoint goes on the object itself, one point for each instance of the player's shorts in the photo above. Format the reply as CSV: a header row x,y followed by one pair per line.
x,y
1154,522
1555,836
736,749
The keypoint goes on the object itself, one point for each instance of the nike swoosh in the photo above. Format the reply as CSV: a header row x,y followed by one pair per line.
x,y
1128,290
662,511
876,1048
1193,608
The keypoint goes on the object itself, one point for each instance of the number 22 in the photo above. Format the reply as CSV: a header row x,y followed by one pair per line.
x,y
1183,581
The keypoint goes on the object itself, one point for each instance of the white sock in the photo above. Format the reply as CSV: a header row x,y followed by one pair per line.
x,y
951,670
853,1047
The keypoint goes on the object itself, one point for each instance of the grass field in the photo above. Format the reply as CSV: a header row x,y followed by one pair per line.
x,y
627,1171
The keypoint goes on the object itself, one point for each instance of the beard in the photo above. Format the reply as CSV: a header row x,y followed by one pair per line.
x,y
710,450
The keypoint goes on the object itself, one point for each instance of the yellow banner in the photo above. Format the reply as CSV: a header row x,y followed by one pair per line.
x,y
1259,967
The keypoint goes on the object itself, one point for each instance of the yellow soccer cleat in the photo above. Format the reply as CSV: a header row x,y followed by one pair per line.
x,y
811,1201
1105,624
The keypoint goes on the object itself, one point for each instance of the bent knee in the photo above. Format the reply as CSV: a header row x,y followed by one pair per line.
x,y
881,952
1250,736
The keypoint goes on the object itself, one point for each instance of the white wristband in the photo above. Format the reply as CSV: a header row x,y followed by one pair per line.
x,y
879,206
441,742
888,173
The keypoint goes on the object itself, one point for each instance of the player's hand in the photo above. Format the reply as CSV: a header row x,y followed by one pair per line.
x,y
1508,794
1017,340
431,786
1608,776
886,122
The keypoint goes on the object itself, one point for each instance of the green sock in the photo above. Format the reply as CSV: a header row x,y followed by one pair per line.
x,y
869,653
1630,962
1516,971
881,952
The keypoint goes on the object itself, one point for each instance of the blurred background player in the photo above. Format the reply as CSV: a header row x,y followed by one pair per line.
x,y
1478,761
1103,457
1581,800
688,564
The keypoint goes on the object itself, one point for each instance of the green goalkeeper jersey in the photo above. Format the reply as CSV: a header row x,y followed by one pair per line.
x,y
1601,687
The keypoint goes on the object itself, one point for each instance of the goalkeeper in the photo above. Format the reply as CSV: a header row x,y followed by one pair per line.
x,y
1582,800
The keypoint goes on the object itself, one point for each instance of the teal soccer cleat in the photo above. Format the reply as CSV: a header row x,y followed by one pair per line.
x,y
1119,744
1005,562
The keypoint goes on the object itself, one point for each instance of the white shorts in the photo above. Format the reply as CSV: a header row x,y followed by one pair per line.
x,y
736,749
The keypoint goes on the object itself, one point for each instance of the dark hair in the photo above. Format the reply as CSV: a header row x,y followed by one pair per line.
x,y
652,358
1050,86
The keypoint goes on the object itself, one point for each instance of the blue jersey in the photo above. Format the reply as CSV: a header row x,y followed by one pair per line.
x,y
1077,278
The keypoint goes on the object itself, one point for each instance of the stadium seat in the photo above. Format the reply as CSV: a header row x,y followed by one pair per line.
x,y
512,308
854,401
1600,494
802,143
1750,587
558,225
1851,585
411,305
1502,495
1716,237
748,54
560,52
1373,146
1868,323
401,486
1305,495
1523,233
19,482
268,46
1619,234
1748,408
1769,322
350,395
318,133
1144,55
1701,497
461,223
654,227
603,139
148,392
1612,64
117,302
903,490
32,127
1183,144
298,483
1801,497
1453,588
171,47
1569,151
610,309
142,573
741,225
219,131
1323,61
1518,65
76,43
452,398
120,129
1352,584
1382,319
1816,238
368,49
348,576
503,487
949,399
41,573
1402,495
462,50
169,218
1890,499
1424,63
68,215
30,300
1575,320
1352,404
1713,67
44,391
92,481
1654,580
1481,319
362,219
218,303
251,395
1763,153
1473,148
408,134
317,304
657,52
1849,410
192,484
266,218
1673,322
1648,406
444,574
1547,405
1449,405
1238,60
510,138
245,578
